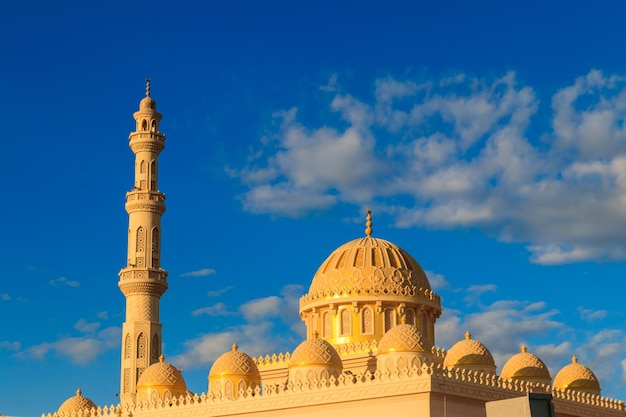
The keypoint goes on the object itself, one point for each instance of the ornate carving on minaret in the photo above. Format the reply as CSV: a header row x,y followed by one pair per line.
x,y
143,281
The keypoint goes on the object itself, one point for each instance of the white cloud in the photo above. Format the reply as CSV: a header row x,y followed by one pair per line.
x,y
80,350
199,273
456,152
84,326
437,281
270,323
215,310
217,293
65,281
592,315
4,345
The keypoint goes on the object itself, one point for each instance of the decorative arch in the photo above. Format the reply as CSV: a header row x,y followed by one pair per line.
x,y
127,346
155,247
144,125
390,319
346,322
367,320
241,388
141,345
153,126
327,325
409,316
154,349
229,388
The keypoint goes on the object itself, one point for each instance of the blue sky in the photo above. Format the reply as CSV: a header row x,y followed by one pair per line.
x,y
488,139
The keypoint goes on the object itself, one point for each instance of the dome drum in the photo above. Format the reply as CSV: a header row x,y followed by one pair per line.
x,y
364,288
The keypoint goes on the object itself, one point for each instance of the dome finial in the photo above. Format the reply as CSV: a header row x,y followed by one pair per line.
x,y
316,334
147,86
368,223
79,393
161,358
235,347
468,335
574,359
523,349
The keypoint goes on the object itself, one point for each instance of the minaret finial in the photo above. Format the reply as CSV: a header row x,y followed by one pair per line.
x,y
368,223
147,86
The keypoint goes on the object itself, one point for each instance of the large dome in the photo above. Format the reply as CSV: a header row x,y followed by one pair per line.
x,y
578,377
368,266
76,404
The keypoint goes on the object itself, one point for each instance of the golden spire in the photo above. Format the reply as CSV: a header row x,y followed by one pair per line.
x,y
161,358
523,349
368,223
403,319
468,335
235,347
574,359
79,393
147,86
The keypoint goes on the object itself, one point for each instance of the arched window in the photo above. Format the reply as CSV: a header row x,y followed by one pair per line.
x,y
326,325
144,125
390,319
425,324
229,388
346,322
367,321
141,345
153,176
153,126
154,349
409,316
127,346
155,247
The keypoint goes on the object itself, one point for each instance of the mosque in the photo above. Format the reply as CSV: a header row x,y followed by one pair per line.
x,y
370,347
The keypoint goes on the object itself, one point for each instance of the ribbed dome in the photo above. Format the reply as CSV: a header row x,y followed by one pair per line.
x,y
76,403
368,266
234,362
403,338
147,103
315,352
525,366
468,352
577,377
162,375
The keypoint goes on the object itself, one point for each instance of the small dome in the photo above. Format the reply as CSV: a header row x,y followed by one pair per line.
x,y
468,352
161,376
315,352
526,366
76,404
147,103
236,363
578,377
403,338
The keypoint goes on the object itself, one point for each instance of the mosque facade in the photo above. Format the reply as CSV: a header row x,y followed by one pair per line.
x,y
370,347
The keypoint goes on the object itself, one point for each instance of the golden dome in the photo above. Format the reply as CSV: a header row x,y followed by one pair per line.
x,y
403,338
315,352
525,366
76,404
468,352
368,267
577,377
234,362
161,376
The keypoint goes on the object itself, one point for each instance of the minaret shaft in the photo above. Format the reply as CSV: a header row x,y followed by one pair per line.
x,y
142,281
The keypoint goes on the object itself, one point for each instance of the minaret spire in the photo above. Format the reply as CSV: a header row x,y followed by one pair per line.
x,y
142,281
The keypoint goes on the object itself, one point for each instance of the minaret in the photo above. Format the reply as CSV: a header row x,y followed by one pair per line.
x,y
142,281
